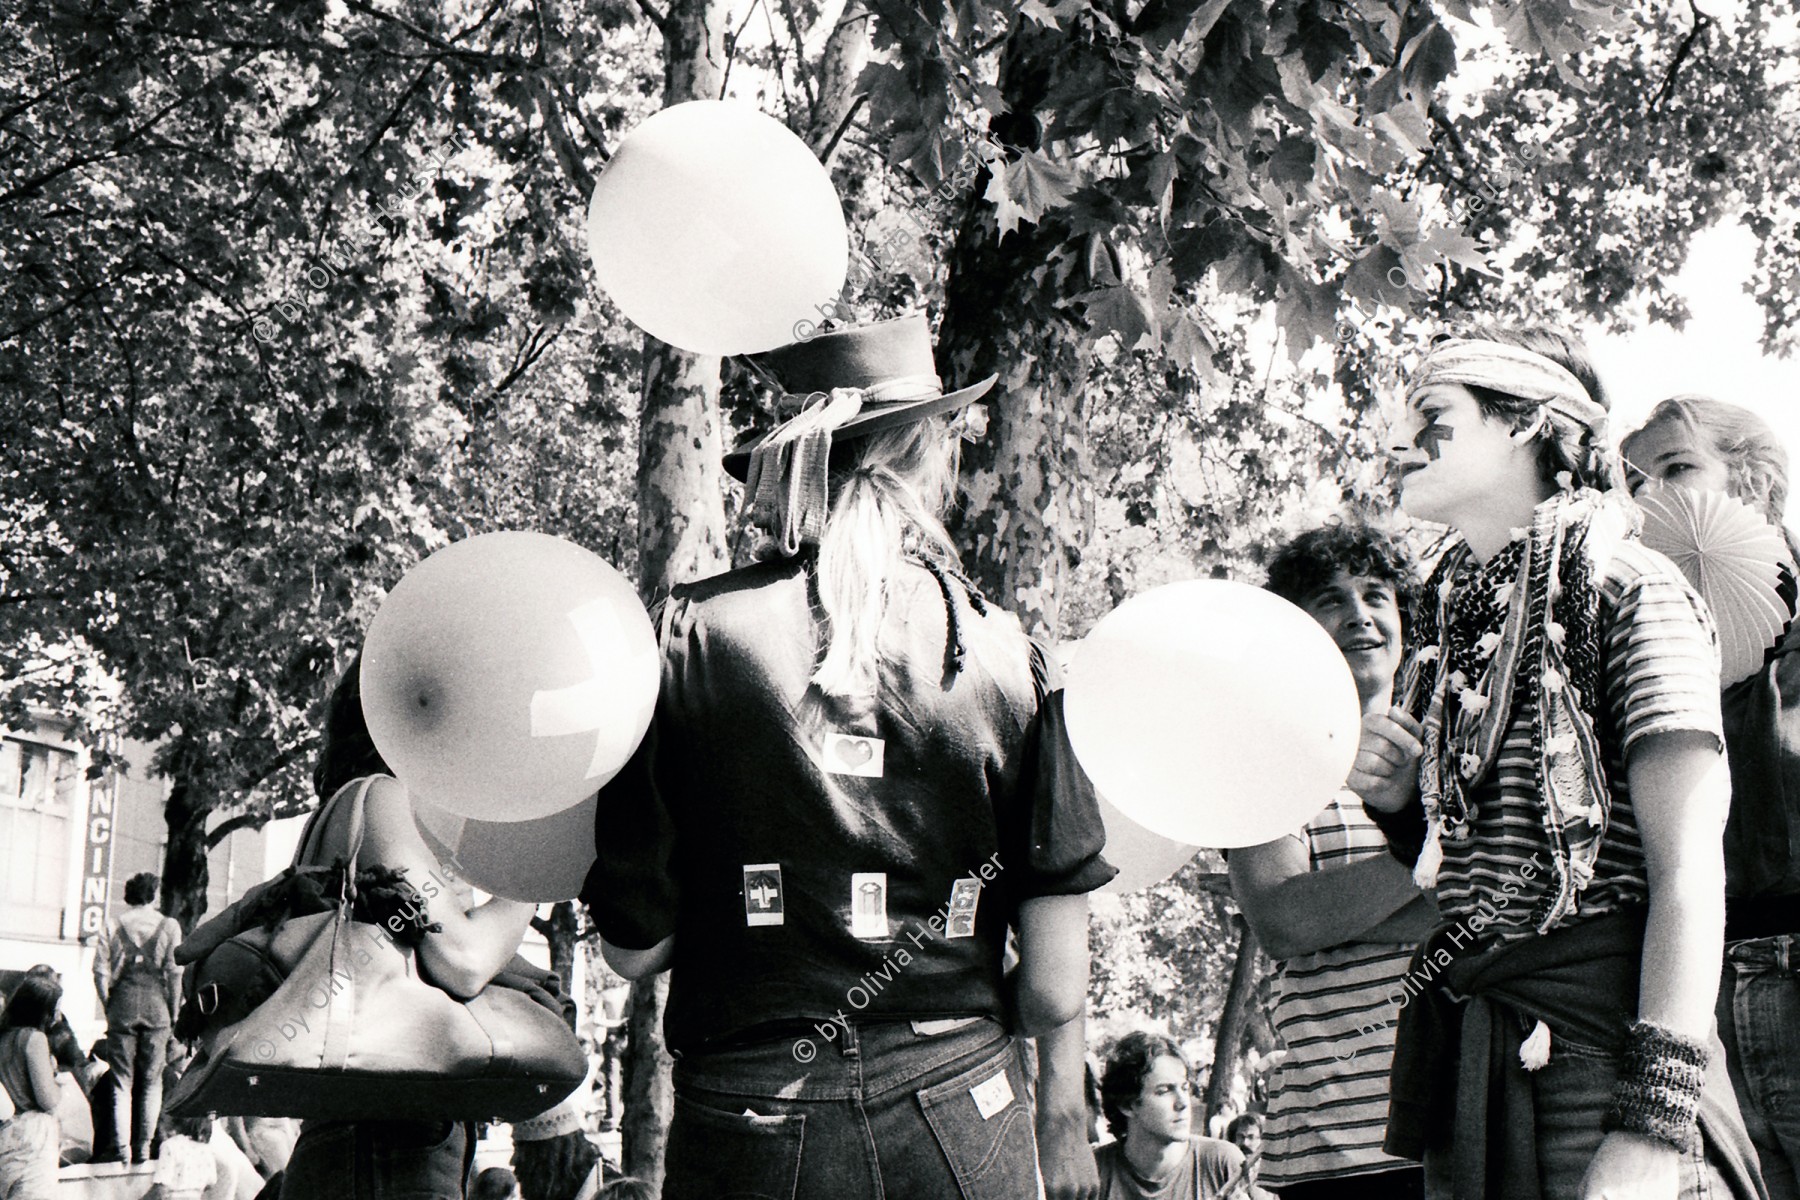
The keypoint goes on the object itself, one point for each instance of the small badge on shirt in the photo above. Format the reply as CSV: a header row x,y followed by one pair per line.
x,y
762,894
868,904
992,1096
964,896
851,754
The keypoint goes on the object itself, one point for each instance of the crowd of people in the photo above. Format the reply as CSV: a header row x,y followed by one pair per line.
x,y
1541,943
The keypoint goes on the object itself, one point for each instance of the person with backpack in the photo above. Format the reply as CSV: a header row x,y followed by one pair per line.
x,y
137,980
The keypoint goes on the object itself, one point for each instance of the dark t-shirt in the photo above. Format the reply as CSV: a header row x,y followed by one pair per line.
x,y
1202,1175
818,857
1762,742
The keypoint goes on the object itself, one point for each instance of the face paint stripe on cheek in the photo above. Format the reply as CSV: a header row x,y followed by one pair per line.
x,y
1429,437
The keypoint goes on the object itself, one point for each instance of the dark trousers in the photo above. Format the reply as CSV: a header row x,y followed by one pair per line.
x,y
379,1160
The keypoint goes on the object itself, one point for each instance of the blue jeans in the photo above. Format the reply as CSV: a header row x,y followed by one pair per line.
x,y
875,1112
1759,1022
1570,1096
138,1054
379,1160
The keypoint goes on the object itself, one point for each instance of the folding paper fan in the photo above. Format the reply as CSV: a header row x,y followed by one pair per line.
x,y
1733,558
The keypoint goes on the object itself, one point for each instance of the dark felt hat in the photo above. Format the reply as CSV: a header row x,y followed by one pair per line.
x,y
889,361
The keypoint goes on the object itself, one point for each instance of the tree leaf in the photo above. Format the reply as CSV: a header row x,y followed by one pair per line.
x,y
1028,187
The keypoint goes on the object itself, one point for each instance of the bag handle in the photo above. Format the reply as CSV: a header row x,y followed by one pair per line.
x,y
315,829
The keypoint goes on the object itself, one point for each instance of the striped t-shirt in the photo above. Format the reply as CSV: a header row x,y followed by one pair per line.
x,y
1335,1011
1660,674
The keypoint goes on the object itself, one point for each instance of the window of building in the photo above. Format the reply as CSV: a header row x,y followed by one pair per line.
x,y
37,819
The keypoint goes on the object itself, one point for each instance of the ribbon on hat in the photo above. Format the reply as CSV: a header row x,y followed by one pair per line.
x,y
787,485
1515,371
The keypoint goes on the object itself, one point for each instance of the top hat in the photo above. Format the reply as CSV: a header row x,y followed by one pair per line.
x,y
890,362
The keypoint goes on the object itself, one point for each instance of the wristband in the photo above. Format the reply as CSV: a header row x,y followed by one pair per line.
x,y
1404,830
1659,1085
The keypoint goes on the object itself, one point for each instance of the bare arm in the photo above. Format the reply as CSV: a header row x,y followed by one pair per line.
x,y
40,1070
1065,1160
474,943
1410,926
636,964
1049,986
1293,909
1680,792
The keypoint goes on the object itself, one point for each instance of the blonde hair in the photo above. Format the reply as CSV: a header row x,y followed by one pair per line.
x,y
886,504
1756,462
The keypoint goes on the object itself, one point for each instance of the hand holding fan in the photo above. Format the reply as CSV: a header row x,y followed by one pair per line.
x,y
1733,557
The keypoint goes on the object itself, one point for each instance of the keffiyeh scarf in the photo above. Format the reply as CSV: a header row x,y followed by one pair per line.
x,y
1523,627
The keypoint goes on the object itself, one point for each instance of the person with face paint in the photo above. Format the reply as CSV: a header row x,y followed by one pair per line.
x,y
1553,768
1705,445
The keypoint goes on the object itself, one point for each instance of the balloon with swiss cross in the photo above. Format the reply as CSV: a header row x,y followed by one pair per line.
x,y
508,676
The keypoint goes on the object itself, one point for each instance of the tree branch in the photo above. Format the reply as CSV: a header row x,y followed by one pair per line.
x,y
1701,21
660,20
246,820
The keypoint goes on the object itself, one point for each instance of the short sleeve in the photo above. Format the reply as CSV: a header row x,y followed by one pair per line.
x,y
1217,1161
1056,851
631,891
1662,662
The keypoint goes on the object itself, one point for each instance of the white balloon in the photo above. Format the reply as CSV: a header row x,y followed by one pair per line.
x,y
509,676
1144,859
1213,713
717,230
541,861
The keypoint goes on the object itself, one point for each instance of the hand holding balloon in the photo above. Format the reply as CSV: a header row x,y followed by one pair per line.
x,y
1386,772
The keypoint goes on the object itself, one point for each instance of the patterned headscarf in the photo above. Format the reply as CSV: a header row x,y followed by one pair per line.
x,y
1526,623
1514,371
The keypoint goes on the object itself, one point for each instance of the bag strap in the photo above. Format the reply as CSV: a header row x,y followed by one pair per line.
x,y
315,825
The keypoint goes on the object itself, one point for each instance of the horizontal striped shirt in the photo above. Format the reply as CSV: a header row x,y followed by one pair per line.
x,y
1659,674
1334,1011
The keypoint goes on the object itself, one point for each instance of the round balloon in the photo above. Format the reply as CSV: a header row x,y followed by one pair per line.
x,y
1144,859
717,230
508,676
540,861
1213,713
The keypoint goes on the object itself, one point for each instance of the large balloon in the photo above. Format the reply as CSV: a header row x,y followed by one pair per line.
x,y
542,861
1213,713
508,676
1144,859
717,230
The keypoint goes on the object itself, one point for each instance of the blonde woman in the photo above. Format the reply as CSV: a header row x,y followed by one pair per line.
x,y
854,787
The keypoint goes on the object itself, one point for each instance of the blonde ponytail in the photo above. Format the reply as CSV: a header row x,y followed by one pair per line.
x,y
885,506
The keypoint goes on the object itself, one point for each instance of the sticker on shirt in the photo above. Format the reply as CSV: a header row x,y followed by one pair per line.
x,y
849,754
868,905
959,922
762,894
993,1096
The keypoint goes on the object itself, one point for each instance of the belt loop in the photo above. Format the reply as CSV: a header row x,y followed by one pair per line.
x,y
1782,944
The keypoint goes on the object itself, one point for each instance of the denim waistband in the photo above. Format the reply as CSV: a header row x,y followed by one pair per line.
x,y
1781,952
834,1061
